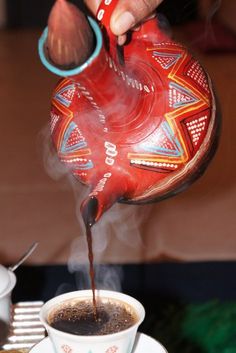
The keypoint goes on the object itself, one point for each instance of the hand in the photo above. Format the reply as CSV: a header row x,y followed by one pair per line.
x,y
127,15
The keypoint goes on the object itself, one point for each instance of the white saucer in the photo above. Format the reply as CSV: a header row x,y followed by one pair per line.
x,y
143,344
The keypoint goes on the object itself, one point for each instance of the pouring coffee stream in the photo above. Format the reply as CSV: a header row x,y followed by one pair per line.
x,y
135,130
88,215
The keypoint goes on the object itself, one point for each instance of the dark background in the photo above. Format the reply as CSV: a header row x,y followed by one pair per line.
x,y
28,13
175,282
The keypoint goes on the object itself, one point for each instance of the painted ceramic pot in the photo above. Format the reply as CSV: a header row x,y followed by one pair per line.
x,y
136,124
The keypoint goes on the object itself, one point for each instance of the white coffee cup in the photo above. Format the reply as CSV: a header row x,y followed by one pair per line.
x,y
121,342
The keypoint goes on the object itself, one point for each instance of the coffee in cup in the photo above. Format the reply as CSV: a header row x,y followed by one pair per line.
x,y
77,317
73,326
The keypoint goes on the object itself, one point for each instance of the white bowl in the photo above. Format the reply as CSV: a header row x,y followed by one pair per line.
x,y
7,283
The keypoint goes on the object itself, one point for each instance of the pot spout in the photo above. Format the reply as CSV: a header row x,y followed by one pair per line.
x,y
109,190
90,211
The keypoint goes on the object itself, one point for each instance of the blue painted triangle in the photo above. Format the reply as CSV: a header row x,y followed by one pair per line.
x,y
167,143
166,60
65,148
63,98
180,96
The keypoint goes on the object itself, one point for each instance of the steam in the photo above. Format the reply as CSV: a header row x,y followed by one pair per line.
x,y
208,28
121,221
52,165
164,24
120,224
212,12
107,277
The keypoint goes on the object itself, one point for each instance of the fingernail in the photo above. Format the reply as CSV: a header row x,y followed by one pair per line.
x,y
122,23
121,39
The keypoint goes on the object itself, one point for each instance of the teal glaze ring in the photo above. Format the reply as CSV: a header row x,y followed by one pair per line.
x,y
78,69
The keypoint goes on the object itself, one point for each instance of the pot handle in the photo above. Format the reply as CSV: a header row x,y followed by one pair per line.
x,y
103,15
104,12
149,29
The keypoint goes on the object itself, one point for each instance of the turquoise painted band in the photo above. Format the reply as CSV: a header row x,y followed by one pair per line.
x,y
78,69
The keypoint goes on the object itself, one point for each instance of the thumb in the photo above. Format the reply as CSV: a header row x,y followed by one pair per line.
x,y
129,13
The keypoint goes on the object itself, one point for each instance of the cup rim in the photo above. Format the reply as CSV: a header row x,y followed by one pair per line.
x,y
138,307
10,286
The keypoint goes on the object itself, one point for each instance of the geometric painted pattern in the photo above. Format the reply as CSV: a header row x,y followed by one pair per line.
x,y
53,121
184,126
65,95
168,144
71,144
72,140
180,96
181,128
194,71
195,128
152,163
166,60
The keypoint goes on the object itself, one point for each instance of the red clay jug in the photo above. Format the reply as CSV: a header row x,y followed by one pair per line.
x,y
136,124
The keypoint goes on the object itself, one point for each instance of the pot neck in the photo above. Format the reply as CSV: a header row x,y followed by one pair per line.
x,y
102,79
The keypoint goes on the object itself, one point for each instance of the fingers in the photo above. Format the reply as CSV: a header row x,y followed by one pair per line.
x,y
127,14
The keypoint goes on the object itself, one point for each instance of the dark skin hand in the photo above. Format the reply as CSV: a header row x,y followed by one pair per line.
x,y
127,15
